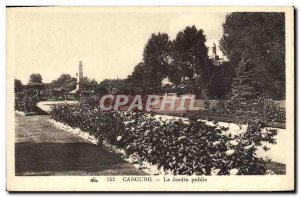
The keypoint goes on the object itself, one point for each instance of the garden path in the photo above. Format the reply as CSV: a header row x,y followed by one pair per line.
x,y
42,149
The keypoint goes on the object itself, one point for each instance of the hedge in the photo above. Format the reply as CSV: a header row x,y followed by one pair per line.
x,y
181,147
262,109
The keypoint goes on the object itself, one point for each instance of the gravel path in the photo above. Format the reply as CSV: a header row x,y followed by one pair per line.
x,y
42,149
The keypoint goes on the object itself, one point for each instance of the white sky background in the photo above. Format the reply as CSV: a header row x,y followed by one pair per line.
x,y
109,44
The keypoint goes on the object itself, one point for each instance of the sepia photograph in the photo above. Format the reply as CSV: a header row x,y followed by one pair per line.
x,y
150,98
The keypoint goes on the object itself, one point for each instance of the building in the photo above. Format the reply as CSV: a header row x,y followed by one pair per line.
x,y
216,60
166,82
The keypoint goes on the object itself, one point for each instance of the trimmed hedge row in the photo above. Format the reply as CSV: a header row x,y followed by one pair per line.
x,y
181,147
244,110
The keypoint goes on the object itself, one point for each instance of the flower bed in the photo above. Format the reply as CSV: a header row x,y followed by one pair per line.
x,y
176,146
244,110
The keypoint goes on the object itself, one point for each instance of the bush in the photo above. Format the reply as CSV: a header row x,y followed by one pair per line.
x,y
25,103
245,110
177,146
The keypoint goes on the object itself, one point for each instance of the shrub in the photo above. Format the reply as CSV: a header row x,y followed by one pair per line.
x,y
25,103
177,146
245,110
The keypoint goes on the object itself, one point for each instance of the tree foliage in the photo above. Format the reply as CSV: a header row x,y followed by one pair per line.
x,y
244,86
35,78
156,58
61,86
190,52
257,38
111,86
88,84
18,86
185,56
65,81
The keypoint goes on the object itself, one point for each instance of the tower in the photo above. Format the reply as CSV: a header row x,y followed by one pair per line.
x,y
214,50
80,71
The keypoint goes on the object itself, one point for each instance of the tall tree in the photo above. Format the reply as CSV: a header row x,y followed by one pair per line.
x,y
244,86
156,58
190,52
257,39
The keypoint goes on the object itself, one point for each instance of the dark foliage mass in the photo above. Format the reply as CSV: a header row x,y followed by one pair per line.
x,y
244,110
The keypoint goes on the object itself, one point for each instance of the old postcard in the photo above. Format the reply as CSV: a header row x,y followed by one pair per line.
x,y
150,99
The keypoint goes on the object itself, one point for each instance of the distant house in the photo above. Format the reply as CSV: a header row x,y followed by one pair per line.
x,y
166,82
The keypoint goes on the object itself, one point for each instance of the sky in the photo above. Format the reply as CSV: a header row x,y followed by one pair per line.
x,y
109,43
